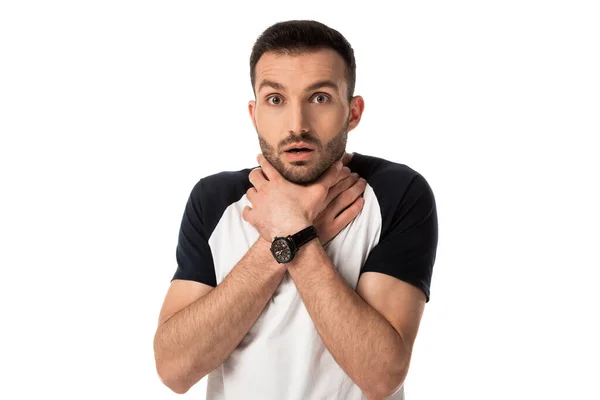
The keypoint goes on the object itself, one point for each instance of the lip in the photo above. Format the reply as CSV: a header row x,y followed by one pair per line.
x,y
301,145
299,156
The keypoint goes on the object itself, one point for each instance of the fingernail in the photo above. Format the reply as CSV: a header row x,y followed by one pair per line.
x,y
363,180
346,169
339,165
354,175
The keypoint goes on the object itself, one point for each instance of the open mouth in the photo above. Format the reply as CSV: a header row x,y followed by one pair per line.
x,y
299,154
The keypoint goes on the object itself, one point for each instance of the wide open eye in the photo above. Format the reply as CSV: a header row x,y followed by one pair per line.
x,y
277,100
321,98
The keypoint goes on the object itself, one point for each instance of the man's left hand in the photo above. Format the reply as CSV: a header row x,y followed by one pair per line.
x,y
282,208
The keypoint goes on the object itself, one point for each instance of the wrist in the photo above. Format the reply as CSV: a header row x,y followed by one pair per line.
x,y
264,257
308,252
284,249
291,228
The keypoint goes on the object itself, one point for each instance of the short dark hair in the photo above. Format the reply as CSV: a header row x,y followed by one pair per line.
x,y
299,36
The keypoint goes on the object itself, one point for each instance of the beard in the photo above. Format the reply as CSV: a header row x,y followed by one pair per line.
x,y
307,172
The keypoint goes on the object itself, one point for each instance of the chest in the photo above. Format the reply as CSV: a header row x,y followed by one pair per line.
x,y
348,251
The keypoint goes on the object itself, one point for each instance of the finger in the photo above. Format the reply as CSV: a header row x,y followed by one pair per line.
x,y
348,197
342,220
346,158
270,172
250,194
257,178
341,186
344,173
246,213
330,177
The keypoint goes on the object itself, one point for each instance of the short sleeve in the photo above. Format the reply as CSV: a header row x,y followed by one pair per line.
x,y
193,254
408,243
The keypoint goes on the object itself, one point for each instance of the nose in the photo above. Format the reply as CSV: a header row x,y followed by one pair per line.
x,y
298,122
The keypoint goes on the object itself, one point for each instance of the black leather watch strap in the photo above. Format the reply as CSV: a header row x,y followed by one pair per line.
x,y
304,236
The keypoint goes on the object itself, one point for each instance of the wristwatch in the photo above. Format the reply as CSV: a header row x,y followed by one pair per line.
x,y
285,248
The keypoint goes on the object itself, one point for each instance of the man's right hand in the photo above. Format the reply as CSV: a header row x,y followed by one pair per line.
x,y
344,202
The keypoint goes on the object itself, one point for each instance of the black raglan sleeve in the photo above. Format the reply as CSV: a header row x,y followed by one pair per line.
x,y
193,254
408,243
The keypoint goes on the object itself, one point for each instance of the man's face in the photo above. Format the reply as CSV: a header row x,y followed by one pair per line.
x,y
302,100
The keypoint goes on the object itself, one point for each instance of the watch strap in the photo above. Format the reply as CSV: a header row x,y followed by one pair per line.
x,y
304,236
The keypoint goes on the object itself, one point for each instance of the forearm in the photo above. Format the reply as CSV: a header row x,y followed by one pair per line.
x,y
361,341
201,336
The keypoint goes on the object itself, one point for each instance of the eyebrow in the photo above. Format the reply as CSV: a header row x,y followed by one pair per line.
x,y
317,85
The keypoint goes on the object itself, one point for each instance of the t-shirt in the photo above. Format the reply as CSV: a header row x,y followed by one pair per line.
x,y
283,357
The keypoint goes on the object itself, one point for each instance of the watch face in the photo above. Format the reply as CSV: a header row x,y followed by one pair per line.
x,y
281,250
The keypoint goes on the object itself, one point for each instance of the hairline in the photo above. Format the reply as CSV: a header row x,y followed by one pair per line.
x,y
300,50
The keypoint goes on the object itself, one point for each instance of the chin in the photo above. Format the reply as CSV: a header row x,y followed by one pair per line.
x,y
302,172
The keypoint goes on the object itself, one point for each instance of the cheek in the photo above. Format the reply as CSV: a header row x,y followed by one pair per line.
x,y
323,121
268,133
328,122
268,123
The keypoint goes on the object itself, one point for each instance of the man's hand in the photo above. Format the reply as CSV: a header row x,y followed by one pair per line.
x,y
344,202
282,208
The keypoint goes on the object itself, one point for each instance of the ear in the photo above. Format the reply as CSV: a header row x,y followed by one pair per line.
x,y
357,106
251,110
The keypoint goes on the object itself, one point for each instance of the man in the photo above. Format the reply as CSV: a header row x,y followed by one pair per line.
x,y
331,312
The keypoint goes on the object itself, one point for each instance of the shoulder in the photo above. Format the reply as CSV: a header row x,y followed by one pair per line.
x,y
226,185
212,194
390,180
404,196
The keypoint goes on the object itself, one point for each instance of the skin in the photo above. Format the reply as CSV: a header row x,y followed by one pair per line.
x,y
288,109
370,332
200,326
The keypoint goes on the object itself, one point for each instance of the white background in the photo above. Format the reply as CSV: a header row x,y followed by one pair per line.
x,y
111,111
